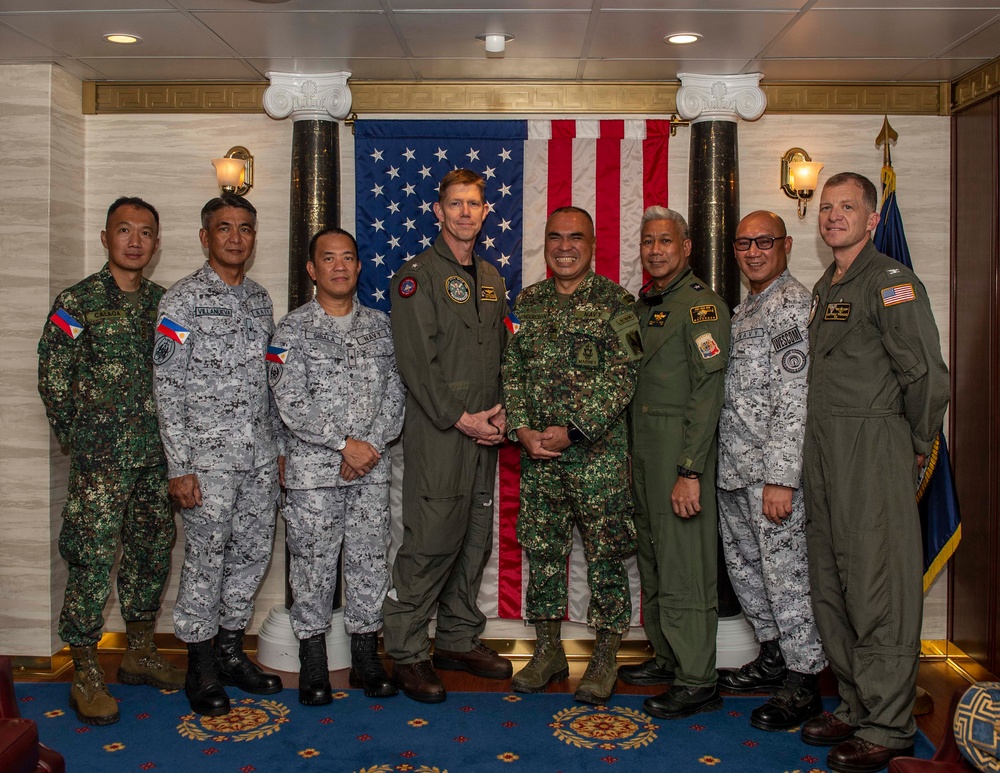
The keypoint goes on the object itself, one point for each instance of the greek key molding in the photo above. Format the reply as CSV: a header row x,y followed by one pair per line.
x,y
977,85
549,97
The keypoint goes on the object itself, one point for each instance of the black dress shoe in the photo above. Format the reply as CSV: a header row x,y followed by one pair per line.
x,y
680,701
479,661
856,755
826,730
645,674
797,701
419,682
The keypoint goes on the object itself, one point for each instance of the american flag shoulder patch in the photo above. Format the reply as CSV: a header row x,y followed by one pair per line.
x,y
898,294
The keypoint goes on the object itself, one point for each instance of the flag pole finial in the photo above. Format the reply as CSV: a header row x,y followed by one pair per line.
x,y
887,137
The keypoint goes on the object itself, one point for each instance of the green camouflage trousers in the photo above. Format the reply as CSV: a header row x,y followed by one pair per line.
x,y
102,508
593,494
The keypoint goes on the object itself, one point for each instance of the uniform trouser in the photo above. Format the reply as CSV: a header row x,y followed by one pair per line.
x,y
594,495
768,565
447,540
678,560
101,508
320,520
227,546
865,566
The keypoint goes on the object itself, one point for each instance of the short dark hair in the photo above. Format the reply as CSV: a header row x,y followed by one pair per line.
x,y
461,177
332,230
223,201
131,201
869,196
572,210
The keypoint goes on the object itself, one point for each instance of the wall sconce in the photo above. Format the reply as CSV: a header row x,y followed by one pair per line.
x,y
496,43
799,177
235,171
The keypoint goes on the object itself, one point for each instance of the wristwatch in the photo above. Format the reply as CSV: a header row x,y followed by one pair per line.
x,y
341,445
684,472
575,434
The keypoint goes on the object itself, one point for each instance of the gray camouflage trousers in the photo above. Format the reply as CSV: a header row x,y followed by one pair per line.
x,y
318,522
769,568
227,546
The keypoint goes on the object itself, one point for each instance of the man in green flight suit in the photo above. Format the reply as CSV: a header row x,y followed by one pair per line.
x,y
448,307
95,376
878,389
673,418
568,374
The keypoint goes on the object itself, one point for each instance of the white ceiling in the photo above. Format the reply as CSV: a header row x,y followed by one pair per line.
x,y
582,40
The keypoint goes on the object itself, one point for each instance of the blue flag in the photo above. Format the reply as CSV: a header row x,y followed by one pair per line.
x,y
936,497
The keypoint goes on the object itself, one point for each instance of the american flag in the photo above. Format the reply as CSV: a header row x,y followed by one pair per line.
x,y
611,168
897,294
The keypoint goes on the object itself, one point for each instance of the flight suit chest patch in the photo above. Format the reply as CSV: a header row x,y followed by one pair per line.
x,y
658,319
487,294
458,289
707,313
837,312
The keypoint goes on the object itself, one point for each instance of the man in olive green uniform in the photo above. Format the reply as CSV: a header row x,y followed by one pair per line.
x,y
878,390
568,375
448,307
95,377
673,416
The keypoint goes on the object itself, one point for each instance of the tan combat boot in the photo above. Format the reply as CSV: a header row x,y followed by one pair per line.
x,y
88,696
143,664
598,682
547,664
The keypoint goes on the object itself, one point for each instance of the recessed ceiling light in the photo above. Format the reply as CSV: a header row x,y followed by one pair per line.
x,y
682,38
123,38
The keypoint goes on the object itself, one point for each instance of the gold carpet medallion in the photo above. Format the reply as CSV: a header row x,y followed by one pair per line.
x,y
247,720
391,768
604,727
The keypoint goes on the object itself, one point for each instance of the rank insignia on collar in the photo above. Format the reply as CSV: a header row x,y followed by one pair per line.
x,y
658,319
487,294
707,346
704,314
458,289
407,287
696,286
837,312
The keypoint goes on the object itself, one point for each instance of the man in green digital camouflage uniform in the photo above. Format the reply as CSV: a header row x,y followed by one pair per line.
x,y
569,372
673,418
95,377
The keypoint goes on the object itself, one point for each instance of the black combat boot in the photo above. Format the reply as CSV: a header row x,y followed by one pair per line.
x,y
797,701
366,668
764,673
204,691
236,669
314,673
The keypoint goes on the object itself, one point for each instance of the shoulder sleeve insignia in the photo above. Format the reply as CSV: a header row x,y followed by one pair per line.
x,y
172,330
706,313
487,294
898,294
62,320
707,346
276,354
793,360
163,350
407,287
788,338
624,321
512,323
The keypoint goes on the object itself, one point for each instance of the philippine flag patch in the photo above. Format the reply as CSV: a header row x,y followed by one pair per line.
x,y
513,323
172,330
61,319
276,354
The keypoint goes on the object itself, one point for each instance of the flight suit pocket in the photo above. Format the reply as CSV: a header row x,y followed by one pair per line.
x,y
440,524
906,363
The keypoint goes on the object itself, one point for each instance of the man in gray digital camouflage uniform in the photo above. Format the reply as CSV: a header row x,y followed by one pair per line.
x,y
334,379
761,512
221,434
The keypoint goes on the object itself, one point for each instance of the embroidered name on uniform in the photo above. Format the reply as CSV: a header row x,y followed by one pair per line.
x,y
707,346
704,314
487,294
898,294
658,319
261,311
757,332
458,289
788,338
320,335
62,320
591,314
837,312
98,316
367,338
212,311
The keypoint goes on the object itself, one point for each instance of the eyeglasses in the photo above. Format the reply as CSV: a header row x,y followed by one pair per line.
x,y
762,242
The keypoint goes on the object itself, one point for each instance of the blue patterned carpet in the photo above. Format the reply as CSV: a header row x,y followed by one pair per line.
x,y
474,732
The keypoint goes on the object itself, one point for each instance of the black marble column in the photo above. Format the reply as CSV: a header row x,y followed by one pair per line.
x,y
713,214
315,198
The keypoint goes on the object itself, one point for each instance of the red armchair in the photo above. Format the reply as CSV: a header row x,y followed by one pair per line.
x,y
947,758
20,751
